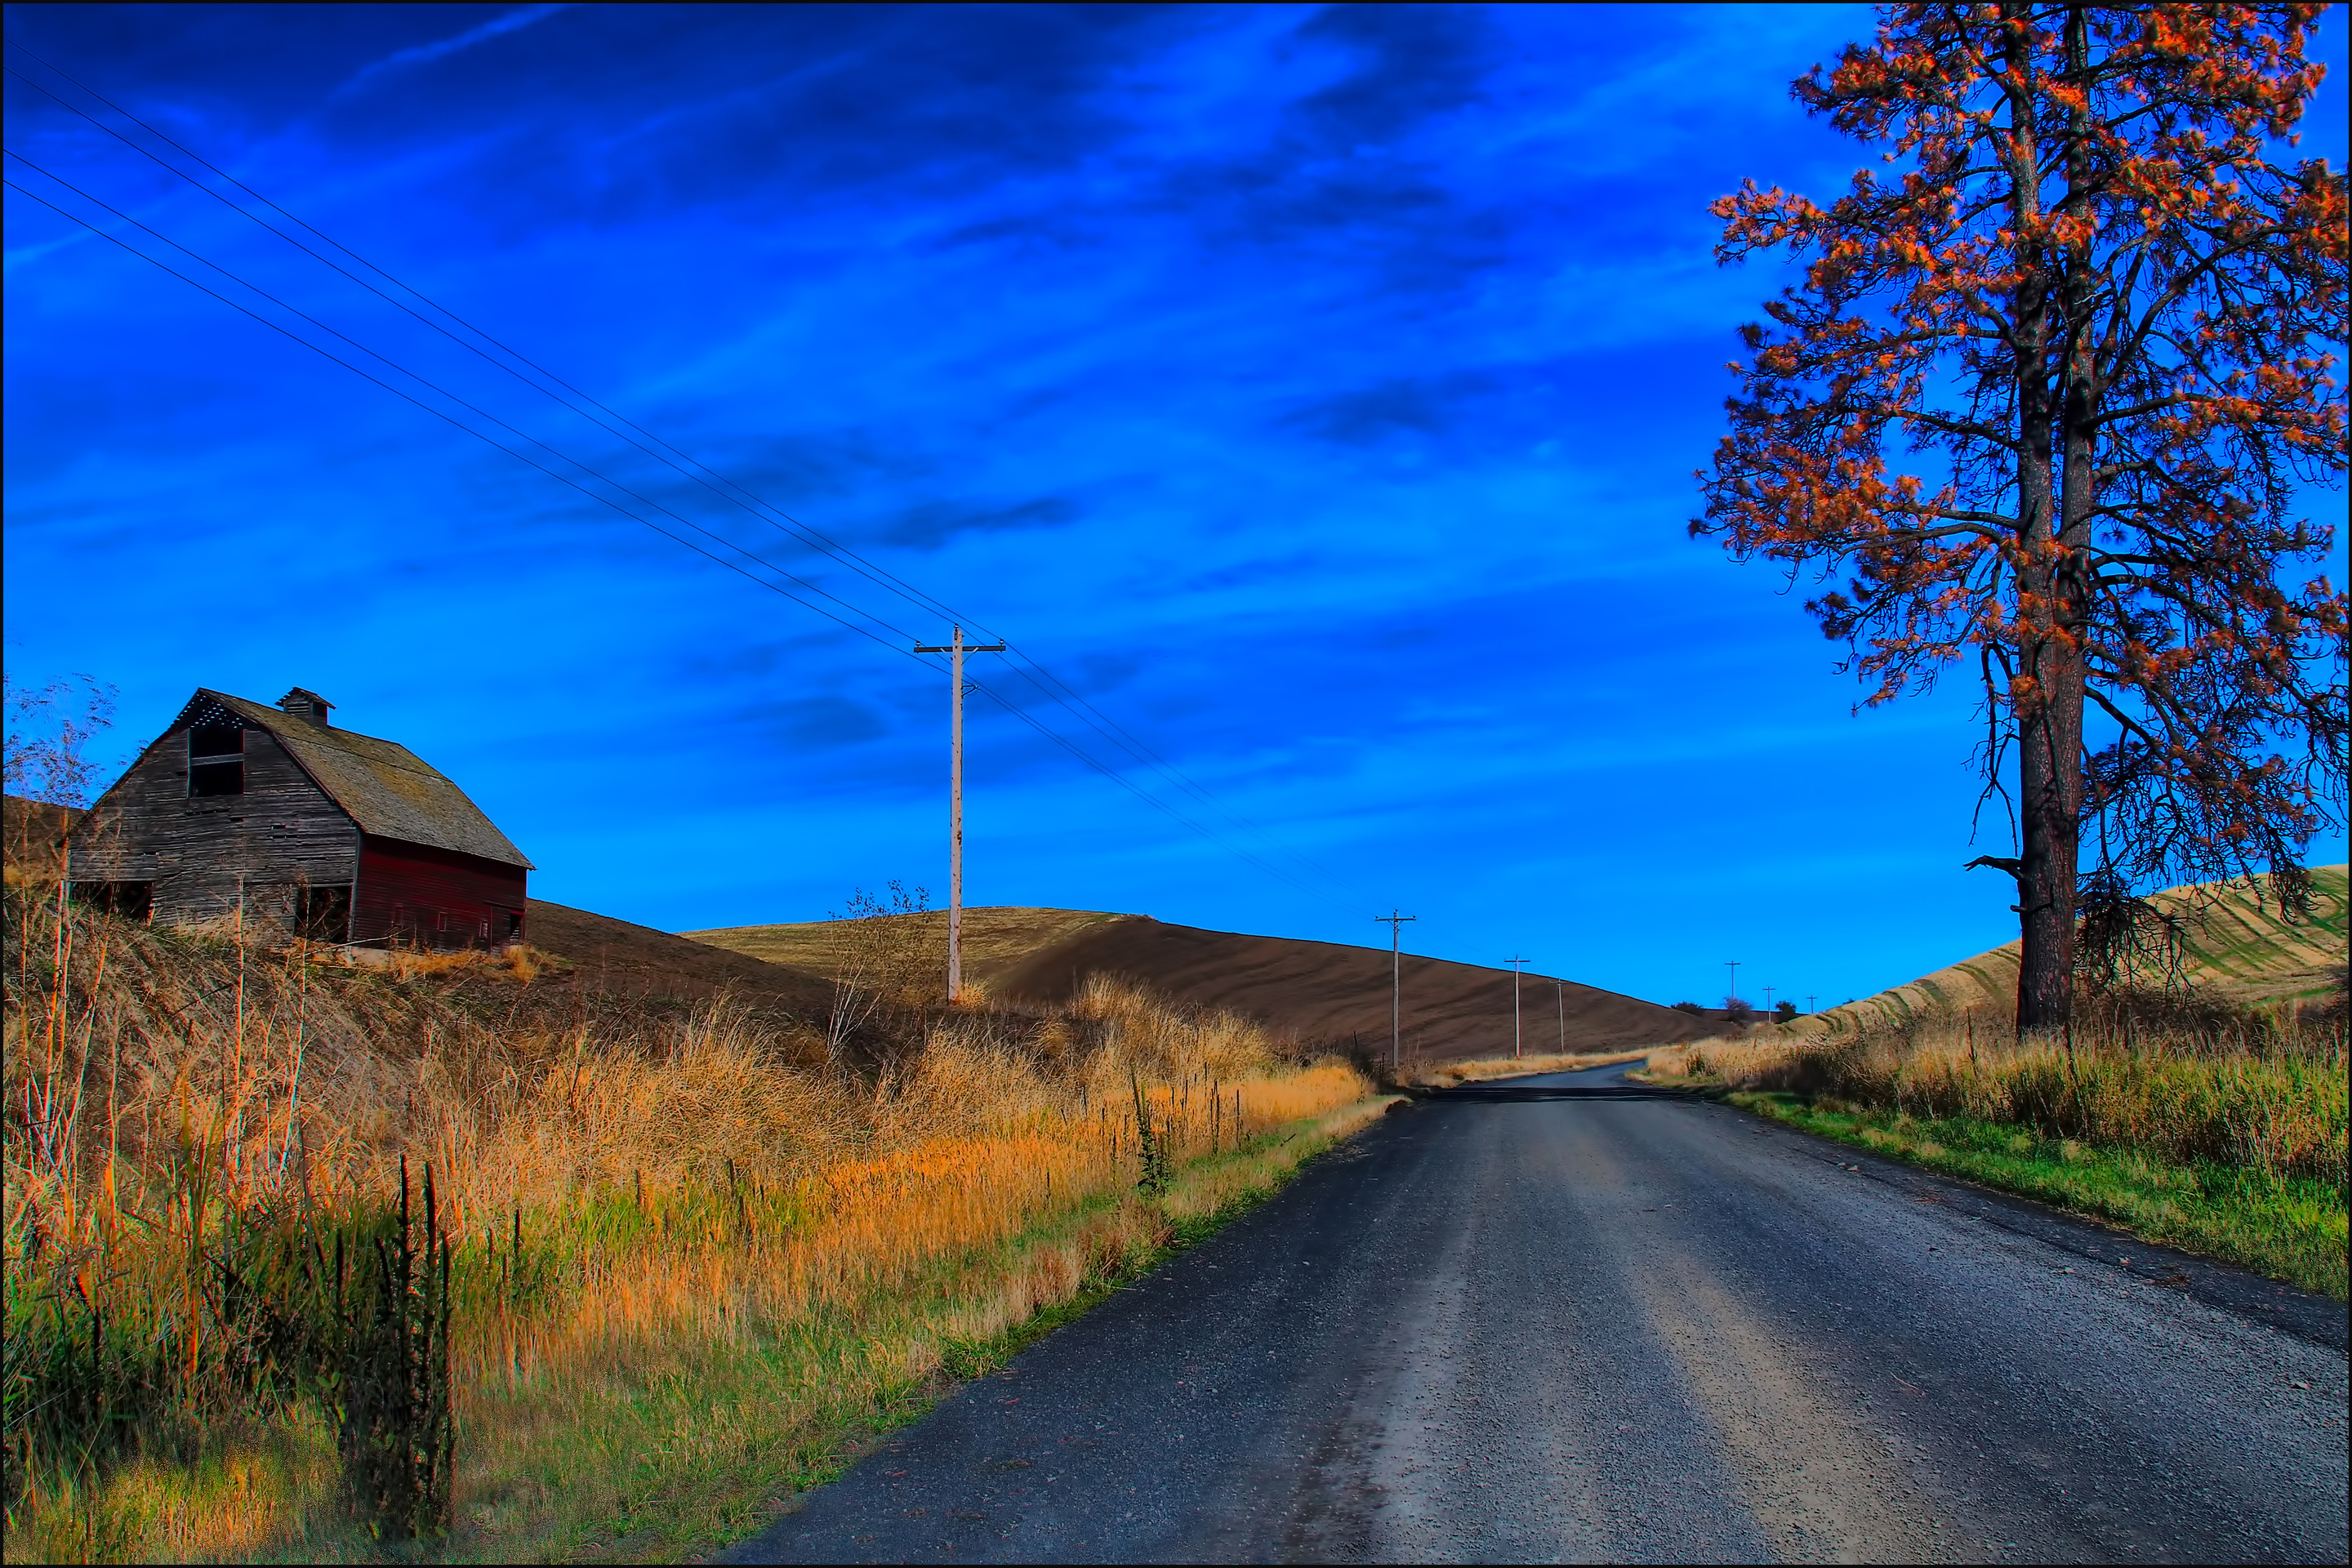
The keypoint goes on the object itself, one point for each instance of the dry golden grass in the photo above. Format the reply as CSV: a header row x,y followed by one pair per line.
x,y
2227,1141
2268,1102
520,960
732,1256
2202,1103
1447,1075
2237,1057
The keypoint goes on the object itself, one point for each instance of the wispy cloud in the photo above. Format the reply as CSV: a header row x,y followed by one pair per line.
x,y
419,54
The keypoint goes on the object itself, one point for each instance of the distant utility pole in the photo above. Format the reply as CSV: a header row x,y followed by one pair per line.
x,y
1560,997
1809,1003
1733,964
1396,923
955,648
1519,967
1768,997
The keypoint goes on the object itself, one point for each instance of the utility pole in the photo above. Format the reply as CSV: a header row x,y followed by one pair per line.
x,y
1396,923
955,648
1768,999
1519,968
1809,1003
1733,964
1559,998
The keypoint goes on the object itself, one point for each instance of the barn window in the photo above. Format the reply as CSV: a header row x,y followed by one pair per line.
x,y
216,759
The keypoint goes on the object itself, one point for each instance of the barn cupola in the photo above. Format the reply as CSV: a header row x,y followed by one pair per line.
x,y
308,705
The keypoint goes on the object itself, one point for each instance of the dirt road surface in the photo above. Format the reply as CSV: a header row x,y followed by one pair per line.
x,y
1515,1327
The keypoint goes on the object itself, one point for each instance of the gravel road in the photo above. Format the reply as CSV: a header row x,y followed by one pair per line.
x,y
1521,1327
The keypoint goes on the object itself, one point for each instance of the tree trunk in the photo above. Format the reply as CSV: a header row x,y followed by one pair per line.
x,y
2050,774
2050,734
2046,694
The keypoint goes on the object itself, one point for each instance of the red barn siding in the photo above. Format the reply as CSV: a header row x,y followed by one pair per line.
x,y
435,898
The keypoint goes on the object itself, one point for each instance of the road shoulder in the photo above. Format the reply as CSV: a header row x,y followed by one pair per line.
x,y
2306,1315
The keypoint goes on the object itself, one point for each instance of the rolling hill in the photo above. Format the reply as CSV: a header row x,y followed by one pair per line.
x,y
617,957
995,939
1316,992
2236,947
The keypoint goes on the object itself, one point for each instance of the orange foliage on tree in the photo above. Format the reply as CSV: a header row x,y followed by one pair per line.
x,y
2048,394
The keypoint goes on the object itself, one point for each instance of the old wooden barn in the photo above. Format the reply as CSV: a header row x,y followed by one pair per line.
x,y
275,817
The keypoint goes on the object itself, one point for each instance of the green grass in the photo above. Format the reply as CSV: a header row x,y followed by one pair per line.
x,y
2288,1228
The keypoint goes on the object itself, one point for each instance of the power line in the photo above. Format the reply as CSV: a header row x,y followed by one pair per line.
x,y
471,409
742,497
808,535
1012,709
1035,673
1120,736
438,414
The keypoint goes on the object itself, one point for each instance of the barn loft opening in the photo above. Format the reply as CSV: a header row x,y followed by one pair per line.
x,y
216,759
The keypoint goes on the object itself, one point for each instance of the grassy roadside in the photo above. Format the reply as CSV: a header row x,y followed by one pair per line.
x,y
2177,1114
688,1466
277,1227
687,1441
2287,1227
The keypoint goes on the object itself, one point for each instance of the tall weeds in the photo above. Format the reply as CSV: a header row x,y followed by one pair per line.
x,y
302,1255
2201,1085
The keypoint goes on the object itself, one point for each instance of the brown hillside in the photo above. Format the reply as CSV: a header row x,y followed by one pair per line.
x,y
1322,992
617,957
2236,948
997,940
1314,992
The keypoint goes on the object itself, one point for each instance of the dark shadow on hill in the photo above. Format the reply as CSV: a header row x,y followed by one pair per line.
x,y
1331,996
621,959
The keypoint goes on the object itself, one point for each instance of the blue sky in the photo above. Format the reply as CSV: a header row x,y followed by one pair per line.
x,y
1317,391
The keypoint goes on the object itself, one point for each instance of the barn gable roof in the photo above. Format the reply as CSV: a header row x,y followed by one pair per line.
x,y
387,788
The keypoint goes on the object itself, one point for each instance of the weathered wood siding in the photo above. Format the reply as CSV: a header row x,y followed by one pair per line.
x,y
435,898
205,854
